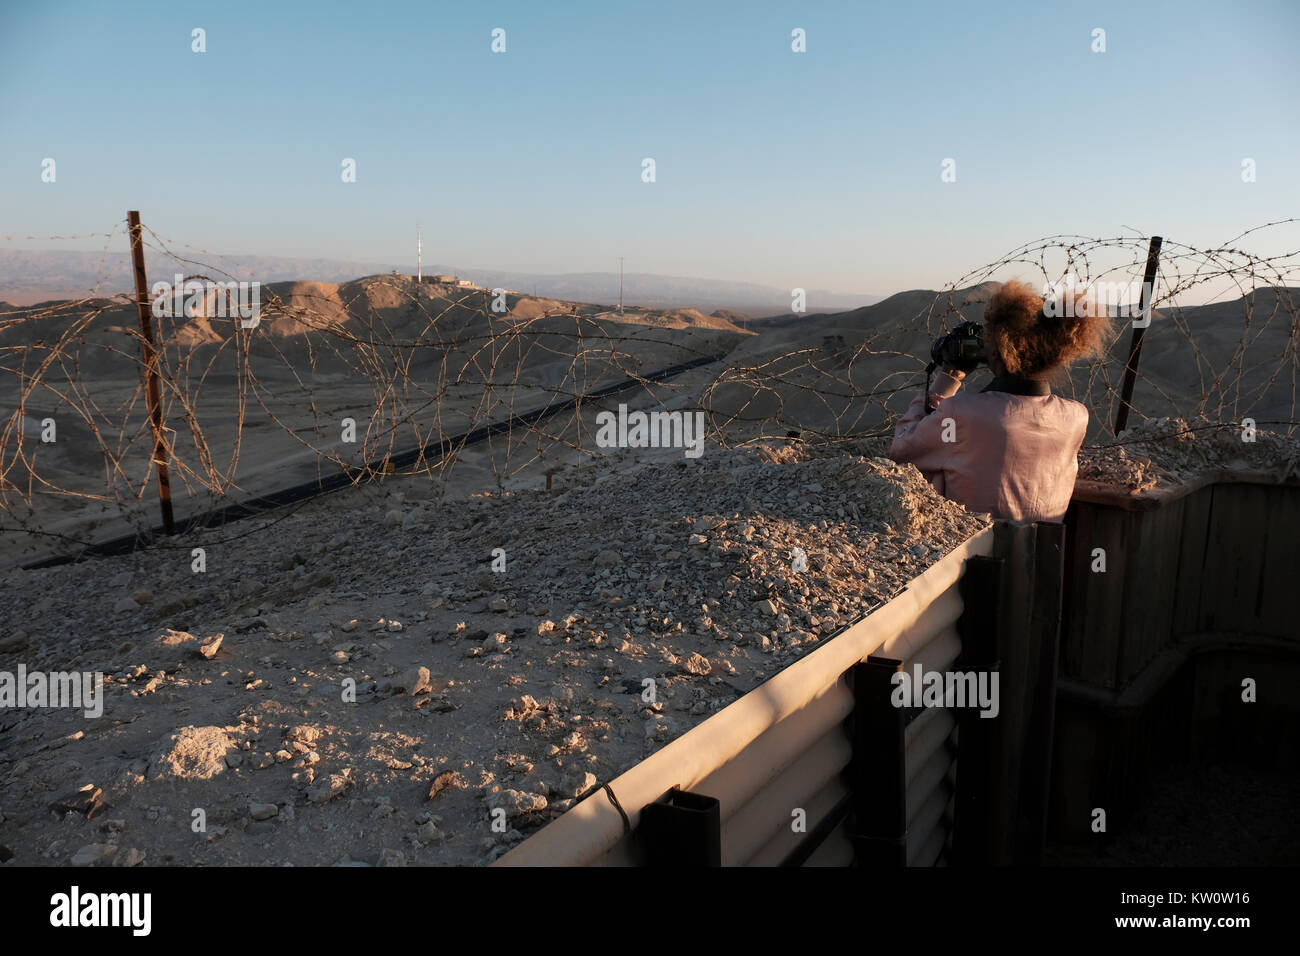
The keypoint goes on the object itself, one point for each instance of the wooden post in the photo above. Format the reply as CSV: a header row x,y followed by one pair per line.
x,y
149,353
1135,343
1048,542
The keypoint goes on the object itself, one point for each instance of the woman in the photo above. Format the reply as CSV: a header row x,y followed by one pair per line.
x,y
1012,449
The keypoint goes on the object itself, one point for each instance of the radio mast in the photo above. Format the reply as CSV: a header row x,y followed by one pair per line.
x,y
419,253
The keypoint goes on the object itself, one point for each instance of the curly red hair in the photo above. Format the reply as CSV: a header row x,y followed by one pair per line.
x,y
1033,344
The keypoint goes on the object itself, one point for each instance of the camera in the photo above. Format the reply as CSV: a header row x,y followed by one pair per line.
x,y
962,348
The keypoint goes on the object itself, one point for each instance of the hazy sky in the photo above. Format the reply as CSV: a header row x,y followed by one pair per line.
x,y
818,169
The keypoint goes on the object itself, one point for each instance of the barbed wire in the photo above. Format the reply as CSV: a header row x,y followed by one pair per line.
x,y
414,365
428,366
1257,369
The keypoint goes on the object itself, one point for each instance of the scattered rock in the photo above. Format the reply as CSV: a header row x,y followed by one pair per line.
x,y
413,682
13,642
89,800
263,811
131,856
428,833
516,803
582,784
93,854
698,665
447,780
305,734
327,788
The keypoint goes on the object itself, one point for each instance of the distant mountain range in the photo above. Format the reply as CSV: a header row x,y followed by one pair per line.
x,y
29,276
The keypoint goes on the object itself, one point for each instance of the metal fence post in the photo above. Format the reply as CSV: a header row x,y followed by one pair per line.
x,y
1146,295
973,812
682,828
149,354
877,774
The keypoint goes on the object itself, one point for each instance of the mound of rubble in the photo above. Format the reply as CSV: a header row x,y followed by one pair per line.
x,y
1171,451
382,677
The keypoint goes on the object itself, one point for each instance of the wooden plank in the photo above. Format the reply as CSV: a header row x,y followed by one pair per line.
x,y
1252,534
1234,558
1277,590
1045,621
1074,598
1103,596
1217,564
1076,771
1191,563
1152,580
1102,493
1171,546
1014,544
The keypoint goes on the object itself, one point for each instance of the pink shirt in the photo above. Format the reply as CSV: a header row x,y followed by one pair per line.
x,y
1011,456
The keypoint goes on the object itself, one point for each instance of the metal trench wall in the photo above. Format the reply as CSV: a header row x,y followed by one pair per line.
x,y
816,767
1196,591
780,761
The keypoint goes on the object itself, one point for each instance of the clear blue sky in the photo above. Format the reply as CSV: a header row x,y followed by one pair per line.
x,y
819,169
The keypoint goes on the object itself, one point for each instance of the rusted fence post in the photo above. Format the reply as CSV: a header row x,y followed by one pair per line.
x,y
1145,297
149,353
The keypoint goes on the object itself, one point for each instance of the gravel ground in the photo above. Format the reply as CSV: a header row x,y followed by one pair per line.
x,y
1169,451
382,694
